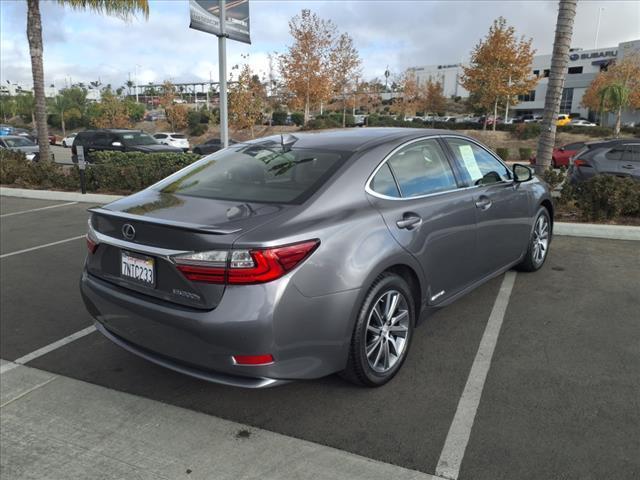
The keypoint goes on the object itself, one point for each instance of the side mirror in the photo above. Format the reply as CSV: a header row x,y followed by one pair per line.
x,y
562,149
116,144
521,173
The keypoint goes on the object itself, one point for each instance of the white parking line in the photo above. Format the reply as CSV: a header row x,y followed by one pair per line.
x,y
41,246
38,209
460,430
46,349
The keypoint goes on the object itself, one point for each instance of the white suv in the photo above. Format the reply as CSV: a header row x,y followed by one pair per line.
x,y
173,139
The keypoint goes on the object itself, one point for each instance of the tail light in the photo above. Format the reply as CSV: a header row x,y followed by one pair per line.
x,y
242,267
253,360
580,163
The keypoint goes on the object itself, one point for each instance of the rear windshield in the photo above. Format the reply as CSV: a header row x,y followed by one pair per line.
x,y
256,173
178,135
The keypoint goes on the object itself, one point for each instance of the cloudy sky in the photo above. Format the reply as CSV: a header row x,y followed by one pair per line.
x,y
84,47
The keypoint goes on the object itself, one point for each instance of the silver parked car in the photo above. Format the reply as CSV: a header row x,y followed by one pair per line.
x,y
295,257
22,144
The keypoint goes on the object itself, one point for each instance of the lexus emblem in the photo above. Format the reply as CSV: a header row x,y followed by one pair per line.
x,y
128,231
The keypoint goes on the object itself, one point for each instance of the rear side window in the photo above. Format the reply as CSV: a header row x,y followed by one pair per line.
x,y
481,167
178,135
616,153
421,168
160,136
574,146
383,182
635,153
256,173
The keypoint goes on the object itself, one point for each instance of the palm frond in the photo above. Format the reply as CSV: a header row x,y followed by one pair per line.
x,y
124,9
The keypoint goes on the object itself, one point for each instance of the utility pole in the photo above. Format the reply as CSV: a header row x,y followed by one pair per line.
x,y
136,86
222,71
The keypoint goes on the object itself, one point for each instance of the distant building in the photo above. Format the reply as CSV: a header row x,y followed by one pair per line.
x,y
16,89
584,65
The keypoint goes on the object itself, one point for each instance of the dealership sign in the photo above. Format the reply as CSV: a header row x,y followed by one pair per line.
x,y
205,16
586,56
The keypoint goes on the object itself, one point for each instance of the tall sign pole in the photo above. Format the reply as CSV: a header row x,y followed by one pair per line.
x,y
212,16
222,72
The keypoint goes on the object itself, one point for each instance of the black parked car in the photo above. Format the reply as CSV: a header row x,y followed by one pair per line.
x,y
210,146
619,157
117,140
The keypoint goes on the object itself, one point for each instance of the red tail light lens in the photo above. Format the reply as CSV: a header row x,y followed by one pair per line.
x,y
92,245
580,163
244,266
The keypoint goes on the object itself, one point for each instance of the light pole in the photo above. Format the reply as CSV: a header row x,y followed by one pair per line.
x,y
222,73
136,79
595,45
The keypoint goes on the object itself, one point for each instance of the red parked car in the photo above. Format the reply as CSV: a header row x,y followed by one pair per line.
x,y
561,155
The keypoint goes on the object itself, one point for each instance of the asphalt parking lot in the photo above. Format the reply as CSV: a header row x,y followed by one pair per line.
x,y
561,399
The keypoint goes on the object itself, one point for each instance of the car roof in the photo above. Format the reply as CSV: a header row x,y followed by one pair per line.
x,y
112,130
612,141
351,139
168,133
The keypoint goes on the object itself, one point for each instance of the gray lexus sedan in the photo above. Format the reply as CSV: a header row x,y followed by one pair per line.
x,y
295,257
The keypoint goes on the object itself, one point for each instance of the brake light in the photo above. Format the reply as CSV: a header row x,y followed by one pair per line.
x,y
244,266
92,245
580,163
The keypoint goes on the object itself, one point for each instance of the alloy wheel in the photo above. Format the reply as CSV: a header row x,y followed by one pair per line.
x,y
540,239
387,331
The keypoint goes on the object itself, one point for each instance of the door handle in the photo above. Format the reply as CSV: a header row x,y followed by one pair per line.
x,y
483,203
409,222
628,167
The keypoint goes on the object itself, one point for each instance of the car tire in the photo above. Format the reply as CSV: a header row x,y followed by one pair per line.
x,y
379,332
539,243
197,151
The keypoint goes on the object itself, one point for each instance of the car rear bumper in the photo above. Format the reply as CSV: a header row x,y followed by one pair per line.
x,y
308,337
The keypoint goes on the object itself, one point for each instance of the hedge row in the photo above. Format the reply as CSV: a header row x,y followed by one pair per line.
x,y
605,197
113,172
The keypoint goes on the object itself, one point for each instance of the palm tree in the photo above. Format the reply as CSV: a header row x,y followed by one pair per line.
x,y
559,62
615,97
58,106
120,8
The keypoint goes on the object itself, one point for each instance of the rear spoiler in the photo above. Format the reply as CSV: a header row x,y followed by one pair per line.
x,y
211,229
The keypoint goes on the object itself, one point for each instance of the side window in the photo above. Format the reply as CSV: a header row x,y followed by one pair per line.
x,y
421,168
574,146
383,182
481,167
616,153
631,154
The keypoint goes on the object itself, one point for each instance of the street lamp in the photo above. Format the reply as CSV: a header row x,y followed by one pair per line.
x,y
136,79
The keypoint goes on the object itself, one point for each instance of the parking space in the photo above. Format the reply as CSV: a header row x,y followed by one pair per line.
x,y
560,399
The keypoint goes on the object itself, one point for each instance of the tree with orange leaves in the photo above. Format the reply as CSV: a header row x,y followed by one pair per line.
x,y
500,68
615,89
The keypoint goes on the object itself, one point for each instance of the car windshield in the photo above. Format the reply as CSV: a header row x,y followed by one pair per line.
x,y
263,173
138,138
18,142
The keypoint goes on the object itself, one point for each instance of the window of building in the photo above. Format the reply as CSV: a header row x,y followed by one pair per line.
x,y
528,97
536,73
574,70
546,73
566,101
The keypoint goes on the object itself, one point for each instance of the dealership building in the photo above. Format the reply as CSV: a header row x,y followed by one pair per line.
x,y
584,65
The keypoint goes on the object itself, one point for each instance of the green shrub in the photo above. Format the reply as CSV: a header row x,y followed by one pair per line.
x,y
525,153
113,172
607,197
198,129
324,121
279,117
590,131
297,118
525,131
503,153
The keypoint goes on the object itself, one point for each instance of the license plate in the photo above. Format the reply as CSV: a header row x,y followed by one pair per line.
x,y
138,268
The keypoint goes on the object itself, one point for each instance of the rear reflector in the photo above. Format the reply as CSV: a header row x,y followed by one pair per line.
x,y
244,266
253,359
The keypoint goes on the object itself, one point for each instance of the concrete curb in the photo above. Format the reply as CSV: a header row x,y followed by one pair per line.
x,y
611,232
56,195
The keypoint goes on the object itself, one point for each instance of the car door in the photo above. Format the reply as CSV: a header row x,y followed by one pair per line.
x,y
503,212
429,214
